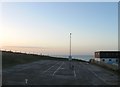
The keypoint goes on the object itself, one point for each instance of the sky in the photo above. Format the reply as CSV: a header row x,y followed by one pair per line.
x,y
44,27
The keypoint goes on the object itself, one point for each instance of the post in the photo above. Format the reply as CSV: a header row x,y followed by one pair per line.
x,y
70,57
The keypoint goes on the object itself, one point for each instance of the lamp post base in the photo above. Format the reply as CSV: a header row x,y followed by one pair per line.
x,y
70,57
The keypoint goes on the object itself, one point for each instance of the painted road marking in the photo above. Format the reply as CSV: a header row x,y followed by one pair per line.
x,y
97,76
26,81
58,68
62,68
74,74
50,67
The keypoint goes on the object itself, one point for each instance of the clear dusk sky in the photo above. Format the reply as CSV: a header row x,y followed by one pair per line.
x,y
45,26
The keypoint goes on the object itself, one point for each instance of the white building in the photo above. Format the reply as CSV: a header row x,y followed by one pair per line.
x,y
109,57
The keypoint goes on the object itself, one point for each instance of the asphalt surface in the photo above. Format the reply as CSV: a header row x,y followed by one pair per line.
x,y
55,72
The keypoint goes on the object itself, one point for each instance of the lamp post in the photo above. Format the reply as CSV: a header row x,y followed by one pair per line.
x,y
70,57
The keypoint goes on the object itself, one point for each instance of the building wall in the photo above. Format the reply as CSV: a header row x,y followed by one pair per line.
x,y
108,60
97,59
110,66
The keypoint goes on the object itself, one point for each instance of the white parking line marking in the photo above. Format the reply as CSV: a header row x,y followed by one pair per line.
x,y
74,74
50,67
26,81
97,76
58,69
62,68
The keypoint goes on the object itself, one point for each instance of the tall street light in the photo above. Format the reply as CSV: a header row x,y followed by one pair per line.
x,y
70,57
